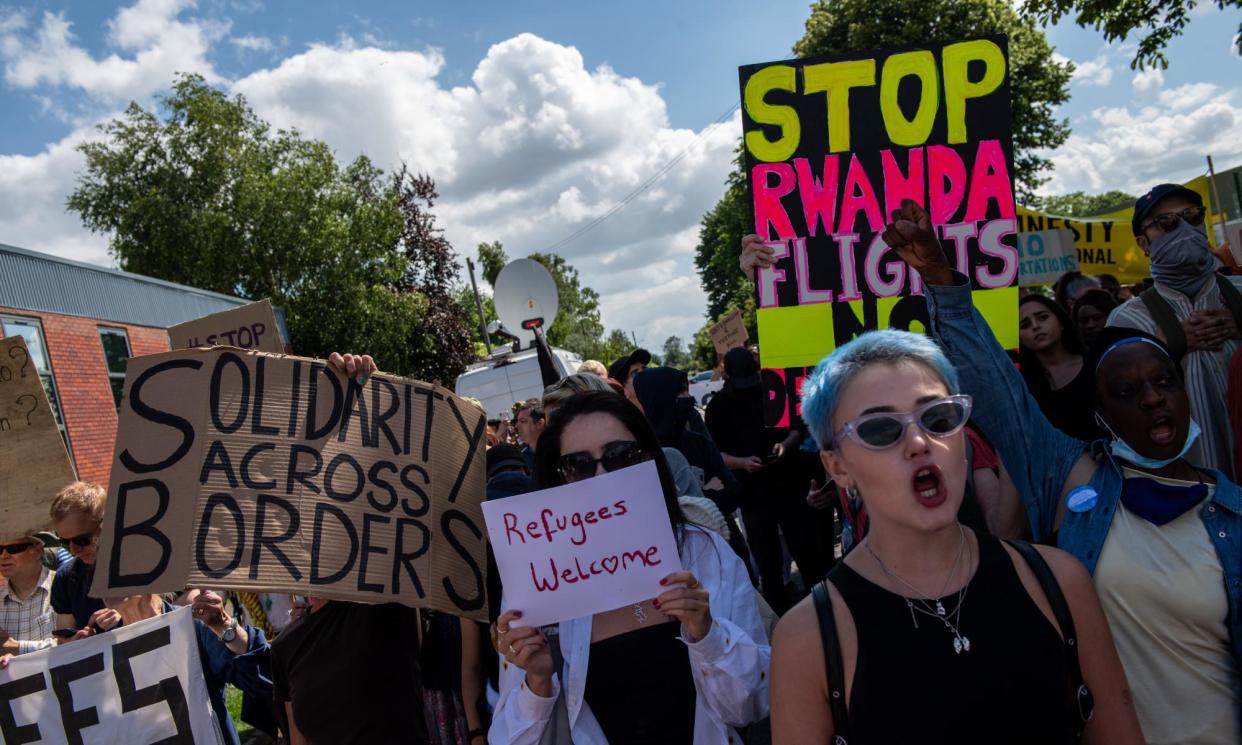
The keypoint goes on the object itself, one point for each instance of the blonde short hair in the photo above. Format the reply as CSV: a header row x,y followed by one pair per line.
x,y
80,496
595,367
579,382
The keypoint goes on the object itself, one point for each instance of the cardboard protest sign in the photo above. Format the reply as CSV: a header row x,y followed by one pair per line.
x,y
729,332
33,462
832,146
583,548
138,684
1045,255
250,326
1105,242
244,470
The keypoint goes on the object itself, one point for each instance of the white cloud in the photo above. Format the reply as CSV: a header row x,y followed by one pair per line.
x,y
1147,81
535,146
1097,71
252,43
1134,146
152,43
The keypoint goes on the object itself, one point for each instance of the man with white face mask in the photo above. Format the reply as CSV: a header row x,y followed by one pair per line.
x,y
1190,307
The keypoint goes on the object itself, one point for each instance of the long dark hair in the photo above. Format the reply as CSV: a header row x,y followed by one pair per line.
x,y
1028,361
548,454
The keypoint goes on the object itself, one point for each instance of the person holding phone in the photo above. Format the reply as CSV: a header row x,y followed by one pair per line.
x,y
77,512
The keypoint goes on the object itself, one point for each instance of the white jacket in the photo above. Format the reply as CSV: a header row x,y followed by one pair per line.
x,y
730,664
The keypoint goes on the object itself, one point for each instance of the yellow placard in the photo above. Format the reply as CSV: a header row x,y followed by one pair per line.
x,y
802,335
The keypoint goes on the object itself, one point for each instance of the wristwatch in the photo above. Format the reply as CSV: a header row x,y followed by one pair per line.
x,y
230,631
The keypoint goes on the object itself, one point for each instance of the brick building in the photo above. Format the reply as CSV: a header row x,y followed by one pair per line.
x,y
81,323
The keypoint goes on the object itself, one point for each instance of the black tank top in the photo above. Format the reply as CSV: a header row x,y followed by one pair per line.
x,y
640,688
911,686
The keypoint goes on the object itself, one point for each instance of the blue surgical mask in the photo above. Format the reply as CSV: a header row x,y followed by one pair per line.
x,y
1182,260
1121,449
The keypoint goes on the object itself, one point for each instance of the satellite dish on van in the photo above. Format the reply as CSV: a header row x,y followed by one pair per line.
x,y
525,298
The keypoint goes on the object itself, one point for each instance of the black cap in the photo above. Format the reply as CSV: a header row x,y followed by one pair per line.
x,y
620,370
741,368
503,456
1145,203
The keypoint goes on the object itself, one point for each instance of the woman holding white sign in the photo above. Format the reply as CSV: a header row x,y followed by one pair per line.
x,y
686,667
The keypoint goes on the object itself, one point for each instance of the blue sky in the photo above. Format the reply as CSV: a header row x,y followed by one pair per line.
x,y
534,117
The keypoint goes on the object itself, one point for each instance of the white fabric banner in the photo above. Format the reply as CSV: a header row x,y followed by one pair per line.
x,y
138,685
1045,255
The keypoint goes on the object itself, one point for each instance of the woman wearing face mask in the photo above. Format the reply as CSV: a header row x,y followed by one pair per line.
x,y
1050,356
685,667
926,624
1161,537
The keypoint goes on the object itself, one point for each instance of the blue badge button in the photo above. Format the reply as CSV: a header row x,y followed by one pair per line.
x,y
1082,499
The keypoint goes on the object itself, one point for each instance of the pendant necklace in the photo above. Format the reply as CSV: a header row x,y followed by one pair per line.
x,y
934,607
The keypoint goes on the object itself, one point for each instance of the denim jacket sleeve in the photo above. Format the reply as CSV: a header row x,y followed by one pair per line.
x,y
1037,455
251,671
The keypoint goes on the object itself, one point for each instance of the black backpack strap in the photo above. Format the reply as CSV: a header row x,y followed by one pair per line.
x,y
1082,703
1231,296
834,668
1162,313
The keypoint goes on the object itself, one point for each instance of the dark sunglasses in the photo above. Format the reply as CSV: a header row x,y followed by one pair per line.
x,y
939,418
617,455
1168,221
81,541
14,549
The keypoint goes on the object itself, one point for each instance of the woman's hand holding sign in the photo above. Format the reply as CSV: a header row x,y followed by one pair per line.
x,y
525,647
755,255
688,604
913,237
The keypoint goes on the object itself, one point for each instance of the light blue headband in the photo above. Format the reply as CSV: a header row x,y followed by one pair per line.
x,y
1128,340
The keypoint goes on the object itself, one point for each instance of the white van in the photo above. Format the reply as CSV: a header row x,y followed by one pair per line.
x,y
509,377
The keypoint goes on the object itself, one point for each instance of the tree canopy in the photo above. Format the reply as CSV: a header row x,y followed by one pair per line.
x,y
203,192
1161,21
1081,204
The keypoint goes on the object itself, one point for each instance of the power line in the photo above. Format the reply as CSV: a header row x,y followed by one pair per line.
x,y
644,186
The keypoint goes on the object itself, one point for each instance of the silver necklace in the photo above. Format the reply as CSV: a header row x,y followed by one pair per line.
x,y
952,621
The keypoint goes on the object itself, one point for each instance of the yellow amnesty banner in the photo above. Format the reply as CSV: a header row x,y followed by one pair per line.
x,y
1106,242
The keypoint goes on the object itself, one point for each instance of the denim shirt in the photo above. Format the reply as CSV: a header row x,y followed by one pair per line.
x,y
1039,457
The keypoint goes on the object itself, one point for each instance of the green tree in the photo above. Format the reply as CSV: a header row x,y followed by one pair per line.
x,y
1162,21
618,344
578,327
1081,204
675,354
492,258
1037,82
202,192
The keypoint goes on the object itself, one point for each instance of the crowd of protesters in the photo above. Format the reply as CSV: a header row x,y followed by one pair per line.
x,y
961,543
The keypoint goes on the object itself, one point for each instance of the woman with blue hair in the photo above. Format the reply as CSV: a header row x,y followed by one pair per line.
x,y
930,631
1160,536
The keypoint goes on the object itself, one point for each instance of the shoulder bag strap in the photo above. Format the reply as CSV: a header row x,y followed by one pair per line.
x,y
1162,314
1231,296
834,668
1082,703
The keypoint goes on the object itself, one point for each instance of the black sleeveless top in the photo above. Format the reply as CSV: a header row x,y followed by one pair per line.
x,y
640,688
911,686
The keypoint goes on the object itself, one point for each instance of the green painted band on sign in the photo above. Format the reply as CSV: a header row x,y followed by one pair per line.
x,y
802,335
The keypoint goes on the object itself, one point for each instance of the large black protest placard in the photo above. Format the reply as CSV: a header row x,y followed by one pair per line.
x,y
833,145
244,470
139,684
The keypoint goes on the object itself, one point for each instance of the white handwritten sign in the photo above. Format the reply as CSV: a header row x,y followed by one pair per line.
x,y
583,548
138,684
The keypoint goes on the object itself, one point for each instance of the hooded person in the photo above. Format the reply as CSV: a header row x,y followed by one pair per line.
x,y
774,486
1189,307
663,395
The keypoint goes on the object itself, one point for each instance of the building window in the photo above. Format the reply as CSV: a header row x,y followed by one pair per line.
x,y
32,331
116,355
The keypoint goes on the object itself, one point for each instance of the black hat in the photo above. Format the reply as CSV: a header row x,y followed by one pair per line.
x,y
1144,204
620,370
741,369
503,456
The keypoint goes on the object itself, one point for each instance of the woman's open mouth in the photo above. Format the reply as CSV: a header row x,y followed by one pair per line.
x,y
929,487
1163,430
